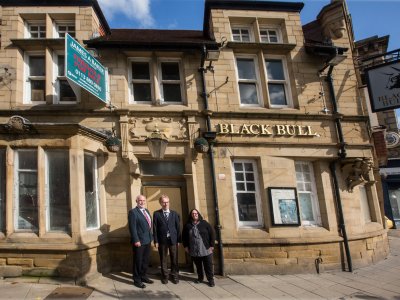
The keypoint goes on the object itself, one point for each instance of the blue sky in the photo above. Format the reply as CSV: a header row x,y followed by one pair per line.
x,y
369,17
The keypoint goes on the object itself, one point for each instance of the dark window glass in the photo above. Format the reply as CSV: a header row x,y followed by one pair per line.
x,y
247,207
37,66
172,92
149,167
142,91
140,70
170,71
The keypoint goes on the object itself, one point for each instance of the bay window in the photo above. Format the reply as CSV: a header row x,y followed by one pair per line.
x,y
91,192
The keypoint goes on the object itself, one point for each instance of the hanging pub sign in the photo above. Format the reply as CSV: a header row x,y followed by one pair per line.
x,y
383,83
83,70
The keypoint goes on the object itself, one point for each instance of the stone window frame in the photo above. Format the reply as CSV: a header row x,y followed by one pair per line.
x,y
242,27
156,81
260,219
312,192
56,82
257,81
27,99
285,82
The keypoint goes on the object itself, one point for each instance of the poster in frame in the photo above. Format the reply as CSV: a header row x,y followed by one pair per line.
x,y
284,206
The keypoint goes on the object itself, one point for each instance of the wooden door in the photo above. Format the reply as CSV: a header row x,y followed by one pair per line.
x,y
152,194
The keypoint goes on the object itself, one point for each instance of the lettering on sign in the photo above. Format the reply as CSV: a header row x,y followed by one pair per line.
x,y
266,130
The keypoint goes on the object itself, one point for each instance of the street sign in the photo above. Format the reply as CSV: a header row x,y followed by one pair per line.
x,y
84,70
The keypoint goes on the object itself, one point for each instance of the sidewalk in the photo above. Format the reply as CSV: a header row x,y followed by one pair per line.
x,y
379,281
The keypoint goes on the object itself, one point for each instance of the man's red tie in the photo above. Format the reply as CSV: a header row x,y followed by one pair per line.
x,y
147,217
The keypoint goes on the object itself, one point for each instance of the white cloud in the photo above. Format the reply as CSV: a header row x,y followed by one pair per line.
x,y
137,10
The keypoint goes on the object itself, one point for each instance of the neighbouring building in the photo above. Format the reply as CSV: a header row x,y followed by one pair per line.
x,y
268,136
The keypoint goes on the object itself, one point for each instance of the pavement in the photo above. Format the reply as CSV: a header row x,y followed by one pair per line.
x,y
378,281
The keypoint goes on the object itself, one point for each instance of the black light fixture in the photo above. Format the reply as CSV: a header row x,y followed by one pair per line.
x,y
157,143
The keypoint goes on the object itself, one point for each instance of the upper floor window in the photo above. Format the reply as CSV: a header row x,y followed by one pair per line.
x,y
63,91
35,78
35,29
278,85
306,189
241,33
168,76
248,80
61,28
247,195
270,35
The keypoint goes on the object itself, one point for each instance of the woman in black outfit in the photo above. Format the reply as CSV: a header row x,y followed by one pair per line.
x,y
198,238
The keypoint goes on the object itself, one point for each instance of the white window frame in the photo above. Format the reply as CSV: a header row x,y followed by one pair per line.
x,y
248,224
180,81
242,27
286,82
17,191
27,78
97,196
364,204
67,23
274,28
56,81
132,81
47,190
28,31
256,81
313,195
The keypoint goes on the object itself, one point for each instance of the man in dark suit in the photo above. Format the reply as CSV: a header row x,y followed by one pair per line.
x,y
140,224
167,236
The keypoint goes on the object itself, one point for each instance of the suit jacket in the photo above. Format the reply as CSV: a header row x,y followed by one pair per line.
x,y
138,227
161,227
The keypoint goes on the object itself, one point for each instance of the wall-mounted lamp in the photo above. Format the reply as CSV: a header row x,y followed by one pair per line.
x,y
157,143
212,55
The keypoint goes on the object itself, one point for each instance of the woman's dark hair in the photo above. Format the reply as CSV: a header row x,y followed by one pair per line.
x,y
190,219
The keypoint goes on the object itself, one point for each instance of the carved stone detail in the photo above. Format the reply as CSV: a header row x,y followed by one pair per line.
x,y
357,171
18,124
172,128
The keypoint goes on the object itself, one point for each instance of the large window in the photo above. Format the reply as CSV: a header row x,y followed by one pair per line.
x,y
26,190
248,80
36,78
247,193
277,82
306,189
63,91
168,76
2,189
57,187
91,192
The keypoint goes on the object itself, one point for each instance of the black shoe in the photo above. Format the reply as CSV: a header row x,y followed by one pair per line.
x,y
175,281
140,285
147,280
211,284
198,281
164,281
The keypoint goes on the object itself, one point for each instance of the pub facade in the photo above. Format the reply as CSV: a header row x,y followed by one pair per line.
x,y
255,120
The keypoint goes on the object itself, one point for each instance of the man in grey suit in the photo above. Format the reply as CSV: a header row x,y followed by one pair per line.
x,y
167,236
139,221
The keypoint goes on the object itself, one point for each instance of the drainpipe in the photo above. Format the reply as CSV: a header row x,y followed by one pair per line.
x,y
202,71
342,154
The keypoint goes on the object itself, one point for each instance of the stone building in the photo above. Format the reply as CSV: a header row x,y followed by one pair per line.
x,y
267,136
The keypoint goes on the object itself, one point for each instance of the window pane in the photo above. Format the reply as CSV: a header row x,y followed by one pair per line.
x,y
66,92
37,90
251,187
59,214
2,189
277,94
246,69
306,207
27,217
240,186
37,66
238,166
140,70
61,65
247,207
142,91
170,71
239,176
394,198
248,167
248,93
172,92
275,69
91,197
364,204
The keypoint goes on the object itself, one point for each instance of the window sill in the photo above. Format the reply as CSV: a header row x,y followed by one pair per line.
x,y
278,47
39,43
